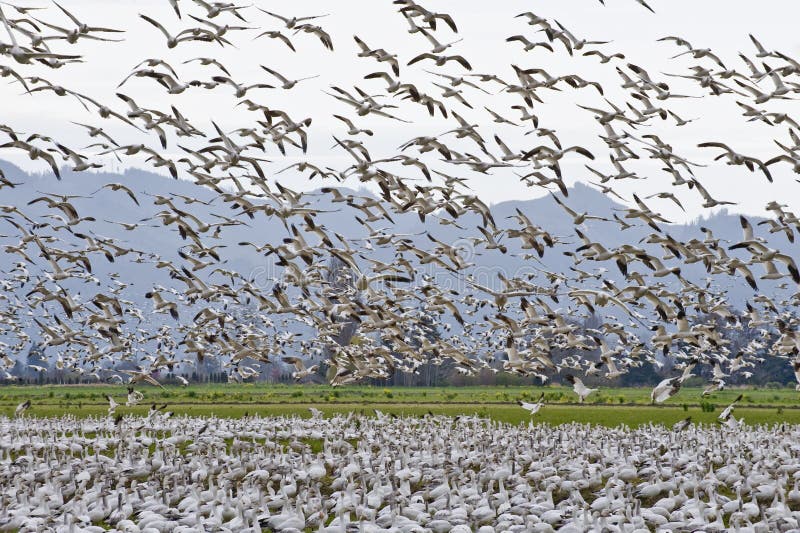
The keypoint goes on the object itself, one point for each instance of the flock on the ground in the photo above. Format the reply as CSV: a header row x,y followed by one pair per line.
x,y
328,282
392,474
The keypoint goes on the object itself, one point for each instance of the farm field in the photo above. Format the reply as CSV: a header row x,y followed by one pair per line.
x,y
609,407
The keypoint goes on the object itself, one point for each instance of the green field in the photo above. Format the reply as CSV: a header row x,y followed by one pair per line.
x,y
610,406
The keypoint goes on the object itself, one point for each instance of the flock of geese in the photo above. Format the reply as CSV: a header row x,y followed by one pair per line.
x,y
366,317
329,283
392,474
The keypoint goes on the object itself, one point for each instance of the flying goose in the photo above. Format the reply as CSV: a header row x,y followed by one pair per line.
x,y
291,22
300,368
272,34
580,389
734,158
726,413
21,408
533,408
441,60
287,83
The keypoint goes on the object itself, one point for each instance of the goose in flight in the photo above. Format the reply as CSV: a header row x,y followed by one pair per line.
x,y
577,218
580,389
441,60
21,408
287,83
183,36
529,45
532,408
412,9
762,52
437,47
603,57
137,376
118,187
112,405
300,368
669,387
725,416
215,9
501,298
158,409
353,130
34,153
80,30
665,389
240,90
378,54
682,424
321,34
94,131
715,385
134,397
708,200
277,35
365,106
205,61
82,27
161,305
220,30
734,158
291,22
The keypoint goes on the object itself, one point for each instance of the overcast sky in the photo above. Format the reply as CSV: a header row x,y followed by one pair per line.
x,y
720,25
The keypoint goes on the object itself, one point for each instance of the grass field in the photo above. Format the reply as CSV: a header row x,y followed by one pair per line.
x,y
609,407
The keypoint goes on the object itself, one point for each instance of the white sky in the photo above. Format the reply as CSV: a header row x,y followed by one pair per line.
x,y
720,25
